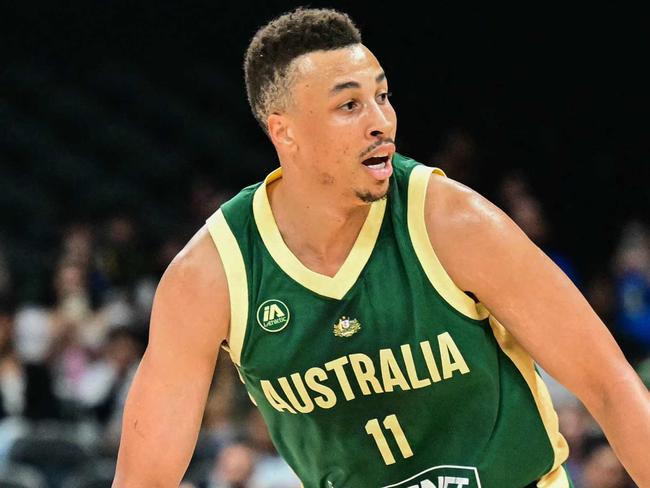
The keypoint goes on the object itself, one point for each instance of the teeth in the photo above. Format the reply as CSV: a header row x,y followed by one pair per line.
x,y
377,166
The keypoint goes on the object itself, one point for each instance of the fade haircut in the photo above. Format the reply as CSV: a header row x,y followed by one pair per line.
x,y
268,65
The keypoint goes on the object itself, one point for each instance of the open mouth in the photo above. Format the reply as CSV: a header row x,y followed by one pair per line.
x,y
376,162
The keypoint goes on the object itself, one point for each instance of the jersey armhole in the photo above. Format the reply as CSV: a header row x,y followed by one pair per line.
x,y
233,264
459,300
437,275
556,476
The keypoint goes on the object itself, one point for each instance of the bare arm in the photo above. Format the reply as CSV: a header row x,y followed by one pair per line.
x,y
164,408
486,253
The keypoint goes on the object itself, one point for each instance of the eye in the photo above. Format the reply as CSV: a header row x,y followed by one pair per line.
x,y
385,96
349,106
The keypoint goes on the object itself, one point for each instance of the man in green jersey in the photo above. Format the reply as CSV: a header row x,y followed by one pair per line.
x,y
383,317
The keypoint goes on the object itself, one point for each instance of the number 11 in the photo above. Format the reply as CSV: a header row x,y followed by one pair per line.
x,y
390,422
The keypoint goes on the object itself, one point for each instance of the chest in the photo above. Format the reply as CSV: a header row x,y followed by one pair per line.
x,y
391,325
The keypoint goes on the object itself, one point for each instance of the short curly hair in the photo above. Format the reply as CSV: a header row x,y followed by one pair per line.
x,y
268,64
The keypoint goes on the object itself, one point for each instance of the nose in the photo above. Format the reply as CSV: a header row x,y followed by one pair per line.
x,y
380,122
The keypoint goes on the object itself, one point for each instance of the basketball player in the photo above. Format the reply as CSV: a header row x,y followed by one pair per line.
x,y
383,317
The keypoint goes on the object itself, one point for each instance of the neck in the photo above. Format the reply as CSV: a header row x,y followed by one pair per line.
x,y
318,226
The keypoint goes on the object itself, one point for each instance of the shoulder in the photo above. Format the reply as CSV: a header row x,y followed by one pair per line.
x,y
198,264
469,233
451,204
194,290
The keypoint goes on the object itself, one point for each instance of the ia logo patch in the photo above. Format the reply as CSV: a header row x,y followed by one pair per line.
x,y
273,315
442,477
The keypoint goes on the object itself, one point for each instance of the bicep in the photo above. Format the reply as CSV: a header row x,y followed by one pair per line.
x,y
542,308
164,407
161,419
531,297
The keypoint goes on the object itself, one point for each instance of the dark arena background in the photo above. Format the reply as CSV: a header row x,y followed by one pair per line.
x,y
124,125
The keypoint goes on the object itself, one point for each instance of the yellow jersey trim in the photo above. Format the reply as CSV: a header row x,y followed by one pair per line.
x,y
556,477
330,286
233,264
438,277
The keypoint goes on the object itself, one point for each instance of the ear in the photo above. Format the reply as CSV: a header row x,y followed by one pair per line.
x,y
280,130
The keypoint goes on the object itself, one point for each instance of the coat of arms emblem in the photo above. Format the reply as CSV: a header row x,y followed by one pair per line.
x,y
346,327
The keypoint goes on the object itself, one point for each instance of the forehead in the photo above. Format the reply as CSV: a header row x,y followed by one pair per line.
x,y
323,69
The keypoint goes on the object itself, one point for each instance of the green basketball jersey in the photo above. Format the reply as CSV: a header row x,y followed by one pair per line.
x,y
387,374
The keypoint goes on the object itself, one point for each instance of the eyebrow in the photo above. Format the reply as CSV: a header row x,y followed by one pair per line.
x,y
353,84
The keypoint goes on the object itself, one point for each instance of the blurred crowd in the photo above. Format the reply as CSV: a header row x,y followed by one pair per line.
x,y
66,361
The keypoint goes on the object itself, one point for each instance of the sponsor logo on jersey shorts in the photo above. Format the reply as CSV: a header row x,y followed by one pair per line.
x,y
273,315
442,477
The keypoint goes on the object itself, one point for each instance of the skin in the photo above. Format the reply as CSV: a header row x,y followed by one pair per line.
x,y
321,141
319,205
485,252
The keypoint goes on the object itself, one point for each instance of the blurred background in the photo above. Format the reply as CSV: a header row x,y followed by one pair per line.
x,y
124,125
